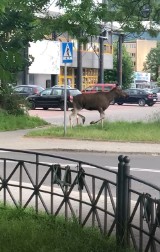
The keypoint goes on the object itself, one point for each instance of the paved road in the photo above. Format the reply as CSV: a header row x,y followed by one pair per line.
x,y
114,112
144,167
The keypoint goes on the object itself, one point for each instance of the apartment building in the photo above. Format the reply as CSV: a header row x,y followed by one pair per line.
x,y
138,50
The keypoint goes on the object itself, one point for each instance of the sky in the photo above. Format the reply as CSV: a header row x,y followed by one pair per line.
x,y
56,9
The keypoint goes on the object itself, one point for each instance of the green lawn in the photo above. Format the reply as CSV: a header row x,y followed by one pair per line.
x,y
112,131
11,122
25,231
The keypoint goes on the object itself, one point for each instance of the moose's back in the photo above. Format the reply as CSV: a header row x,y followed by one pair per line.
x,y
92,101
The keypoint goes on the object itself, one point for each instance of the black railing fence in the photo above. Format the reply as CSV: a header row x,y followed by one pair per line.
x,y
114,201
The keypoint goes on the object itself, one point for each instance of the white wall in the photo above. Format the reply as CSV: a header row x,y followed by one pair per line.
x,y
40,79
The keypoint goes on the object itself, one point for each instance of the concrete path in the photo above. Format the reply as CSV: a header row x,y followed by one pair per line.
x,y
17,140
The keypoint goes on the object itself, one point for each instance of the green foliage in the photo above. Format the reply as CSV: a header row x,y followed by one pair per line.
x,y
83,18
11,122
127,68
23,230
112,131
152,62
12,103
158,81
19,25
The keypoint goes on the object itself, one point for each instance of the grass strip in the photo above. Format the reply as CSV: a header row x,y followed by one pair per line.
x,y
11,122
24,231
112,131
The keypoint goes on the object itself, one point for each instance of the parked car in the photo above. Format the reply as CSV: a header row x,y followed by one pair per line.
x,y
53,98
138,96
157,91
26,90
99,87
106,87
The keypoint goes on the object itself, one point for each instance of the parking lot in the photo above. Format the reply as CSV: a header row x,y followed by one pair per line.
x,y
113,113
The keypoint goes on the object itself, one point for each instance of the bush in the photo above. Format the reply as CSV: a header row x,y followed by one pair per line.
x,y
12,103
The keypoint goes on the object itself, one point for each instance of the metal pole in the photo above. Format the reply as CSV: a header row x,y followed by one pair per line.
x,y
119,205
101,54
54,77
120,60
79,67
126,201
123,201
101,65
65,96
26,70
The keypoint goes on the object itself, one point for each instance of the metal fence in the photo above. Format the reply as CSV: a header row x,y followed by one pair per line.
x,y
113,201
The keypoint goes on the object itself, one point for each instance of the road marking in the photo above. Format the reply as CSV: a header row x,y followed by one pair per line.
x,y
93,167
134,169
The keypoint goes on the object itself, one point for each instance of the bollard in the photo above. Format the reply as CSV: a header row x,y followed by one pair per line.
x,y
123,201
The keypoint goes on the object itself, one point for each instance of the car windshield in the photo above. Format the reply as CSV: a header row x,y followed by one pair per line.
x,y
156,90
40,89
74,92
46,92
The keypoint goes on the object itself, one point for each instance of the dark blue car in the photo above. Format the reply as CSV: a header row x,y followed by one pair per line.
x,y
138,96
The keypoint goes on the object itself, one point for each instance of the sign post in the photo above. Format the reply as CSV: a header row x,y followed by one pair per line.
x,y
67,57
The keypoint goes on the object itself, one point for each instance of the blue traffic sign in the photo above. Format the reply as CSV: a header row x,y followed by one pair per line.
x,y
67,52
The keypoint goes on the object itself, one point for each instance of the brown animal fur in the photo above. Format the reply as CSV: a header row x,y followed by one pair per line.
x,y
94,101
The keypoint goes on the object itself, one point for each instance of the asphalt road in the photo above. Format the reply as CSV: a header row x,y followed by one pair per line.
x,y
113,113
145,167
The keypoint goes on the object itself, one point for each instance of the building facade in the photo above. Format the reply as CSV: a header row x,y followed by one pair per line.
x,y
90,62
138,50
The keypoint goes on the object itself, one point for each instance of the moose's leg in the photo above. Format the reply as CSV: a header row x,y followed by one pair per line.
x,y
83,117
76,114
102,116
73,114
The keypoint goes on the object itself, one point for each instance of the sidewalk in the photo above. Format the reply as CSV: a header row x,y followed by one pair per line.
x,y
17,140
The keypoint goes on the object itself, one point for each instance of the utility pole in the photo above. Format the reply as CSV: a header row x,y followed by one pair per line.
x,y
25,77
101,53
101,59
79,67
119,59
54,77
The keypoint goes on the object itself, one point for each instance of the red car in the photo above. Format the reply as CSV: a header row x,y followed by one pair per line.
x,y
99,88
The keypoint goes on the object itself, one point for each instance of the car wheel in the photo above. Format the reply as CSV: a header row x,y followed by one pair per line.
x,y
33,105
120,103
141,102
62,107
150,104
45,108
112,102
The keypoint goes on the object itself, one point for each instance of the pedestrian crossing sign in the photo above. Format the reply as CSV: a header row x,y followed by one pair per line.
x,y
67,52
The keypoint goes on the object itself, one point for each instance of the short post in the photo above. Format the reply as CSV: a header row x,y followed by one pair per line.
x,y
122,207
126,200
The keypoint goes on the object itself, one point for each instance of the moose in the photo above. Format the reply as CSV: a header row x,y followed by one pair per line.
x,y
99,101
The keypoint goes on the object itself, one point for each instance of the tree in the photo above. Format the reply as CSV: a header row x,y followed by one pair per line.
x,y
83,18
18,26
127,73
152,62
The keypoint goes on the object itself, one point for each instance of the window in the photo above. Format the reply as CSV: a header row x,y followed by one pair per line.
x,y
18,89
97,88
57,91
107,88
133,92
133,55
46,92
